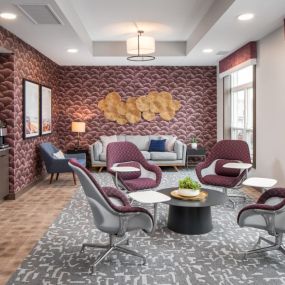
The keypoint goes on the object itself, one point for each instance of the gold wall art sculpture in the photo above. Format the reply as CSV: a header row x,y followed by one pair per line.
x,y
134,109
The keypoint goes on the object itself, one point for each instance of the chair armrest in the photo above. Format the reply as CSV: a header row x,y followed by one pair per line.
x,y
154,168
112,192
199,167
95,150
274,192
60,165
180,148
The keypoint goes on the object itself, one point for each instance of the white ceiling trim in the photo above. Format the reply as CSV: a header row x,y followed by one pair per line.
x,y
119,49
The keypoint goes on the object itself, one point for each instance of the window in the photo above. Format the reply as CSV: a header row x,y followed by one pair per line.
x,y
240,101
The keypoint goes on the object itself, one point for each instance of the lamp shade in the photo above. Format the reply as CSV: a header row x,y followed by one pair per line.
x,y
78,127
145,45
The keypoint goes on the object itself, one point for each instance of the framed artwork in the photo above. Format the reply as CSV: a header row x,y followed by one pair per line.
x,y
46,117
31,112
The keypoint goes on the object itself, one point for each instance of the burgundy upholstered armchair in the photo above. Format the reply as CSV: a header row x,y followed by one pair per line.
x,y
112,214
267,214
127,154
211,171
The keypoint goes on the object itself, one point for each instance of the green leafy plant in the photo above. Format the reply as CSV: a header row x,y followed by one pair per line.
x,y
188,183
193,140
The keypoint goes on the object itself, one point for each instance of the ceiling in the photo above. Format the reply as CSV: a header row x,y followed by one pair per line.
x,y
182,28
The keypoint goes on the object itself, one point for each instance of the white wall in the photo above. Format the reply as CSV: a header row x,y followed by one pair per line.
x,y
270,108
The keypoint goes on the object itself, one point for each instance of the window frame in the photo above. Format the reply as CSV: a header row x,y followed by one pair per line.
x,y
227,108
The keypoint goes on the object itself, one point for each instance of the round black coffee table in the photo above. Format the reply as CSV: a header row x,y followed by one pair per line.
x,y
192,217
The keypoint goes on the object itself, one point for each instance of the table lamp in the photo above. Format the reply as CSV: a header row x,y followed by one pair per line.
x,y
78,127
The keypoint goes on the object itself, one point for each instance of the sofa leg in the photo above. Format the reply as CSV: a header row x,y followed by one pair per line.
x,y
74,178
101,168
51,178
176,168
56,178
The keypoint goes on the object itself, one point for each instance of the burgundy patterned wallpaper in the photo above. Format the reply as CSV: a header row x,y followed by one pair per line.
x,y
82,87
29,64
76,92
7,105
246,52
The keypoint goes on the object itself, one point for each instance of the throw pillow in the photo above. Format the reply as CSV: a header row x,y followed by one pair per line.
x,y
59,155
106,140
170,141
157,145
223,171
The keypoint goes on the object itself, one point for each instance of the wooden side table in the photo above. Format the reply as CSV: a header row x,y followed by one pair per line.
x,y
200,153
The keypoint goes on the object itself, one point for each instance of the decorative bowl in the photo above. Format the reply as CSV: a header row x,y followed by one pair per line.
x,y
188,192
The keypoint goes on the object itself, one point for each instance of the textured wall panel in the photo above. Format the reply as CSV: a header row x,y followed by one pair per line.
x,y
7,105
76,92
32,65
82,87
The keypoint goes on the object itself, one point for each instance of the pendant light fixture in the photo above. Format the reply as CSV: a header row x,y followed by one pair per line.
x,y
141,46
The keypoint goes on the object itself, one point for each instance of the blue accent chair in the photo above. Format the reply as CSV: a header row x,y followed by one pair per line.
x,y
54,165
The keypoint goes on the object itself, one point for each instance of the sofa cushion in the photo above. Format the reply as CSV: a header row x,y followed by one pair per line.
x,y
170,141
163,155
59,155
106,140
157,145
154,137
142,142
102,156
121,138
146,154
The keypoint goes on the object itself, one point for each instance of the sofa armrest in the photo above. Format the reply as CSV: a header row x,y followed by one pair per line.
x,y
180,148
95,150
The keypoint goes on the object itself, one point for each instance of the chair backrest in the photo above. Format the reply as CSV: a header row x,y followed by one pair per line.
x,y
106,218
47,150
119,152
230,150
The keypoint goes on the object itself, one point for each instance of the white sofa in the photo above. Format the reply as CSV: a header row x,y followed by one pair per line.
x,y
173,158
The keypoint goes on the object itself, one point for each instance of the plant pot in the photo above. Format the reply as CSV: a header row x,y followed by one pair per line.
x,y
194,145
188,192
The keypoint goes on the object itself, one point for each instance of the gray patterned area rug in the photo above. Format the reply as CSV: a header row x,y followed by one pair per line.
x,y
213,258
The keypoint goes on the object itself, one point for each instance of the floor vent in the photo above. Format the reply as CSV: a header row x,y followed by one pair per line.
x,y
40,14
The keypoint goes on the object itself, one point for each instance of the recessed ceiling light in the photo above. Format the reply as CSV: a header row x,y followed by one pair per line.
x,y
246,17
72,50
8,16
207,50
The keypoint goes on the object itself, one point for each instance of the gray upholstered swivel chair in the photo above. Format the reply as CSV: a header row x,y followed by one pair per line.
x,y
112,213
55,165
267,214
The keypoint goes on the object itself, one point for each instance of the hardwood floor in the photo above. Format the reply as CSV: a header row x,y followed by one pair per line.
x,y
25,220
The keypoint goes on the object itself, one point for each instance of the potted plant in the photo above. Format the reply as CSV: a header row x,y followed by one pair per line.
x,y
189,187
194,144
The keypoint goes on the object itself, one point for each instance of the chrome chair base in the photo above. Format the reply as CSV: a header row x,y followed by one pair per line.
x,y
277,245
232,196
111,246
